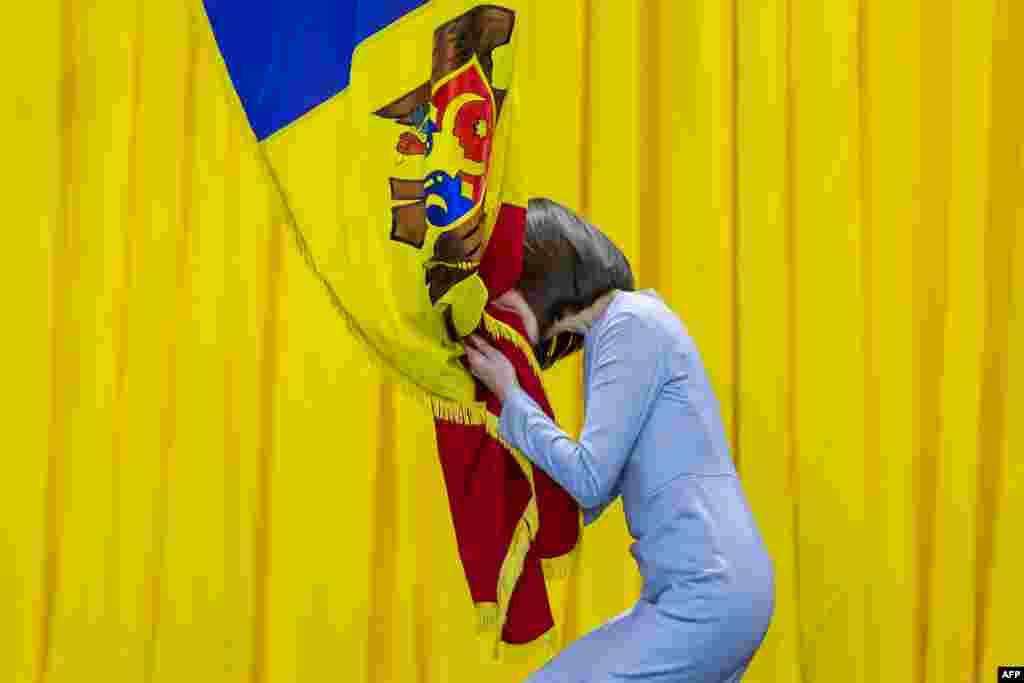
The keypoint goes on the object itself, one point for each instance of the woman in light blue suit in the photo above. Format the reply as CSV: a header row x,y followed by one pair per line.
x,y
652,434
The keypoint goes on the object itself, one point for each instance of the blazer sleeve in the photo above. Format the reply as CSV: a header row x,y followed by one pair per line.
x,y
624,382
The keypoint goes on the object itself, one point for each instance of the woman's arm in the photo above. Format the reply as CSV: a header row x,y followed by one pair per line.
x,y
625,379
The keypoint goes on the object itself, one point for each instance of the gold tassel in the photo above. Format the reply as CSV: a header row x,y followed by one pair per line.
x,y
458,413
458,265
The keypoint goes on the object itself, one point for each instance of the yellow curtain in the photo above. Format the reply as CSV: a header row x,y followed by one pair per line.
x,y
205,480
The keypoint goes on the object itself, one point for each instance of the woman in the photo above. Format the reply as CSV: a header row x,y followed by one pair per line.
x,y
652,434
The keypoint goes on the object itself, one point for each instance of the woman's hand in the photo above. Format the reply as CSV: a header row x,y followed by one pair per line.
x,y
490,366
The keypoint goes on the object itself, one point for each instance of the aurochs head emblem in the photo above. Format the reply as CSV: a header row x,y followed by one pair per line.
x,y
450,122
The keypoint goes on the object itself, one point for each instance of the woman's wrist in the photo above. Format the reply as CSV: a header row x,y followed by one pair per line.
x,y
506,389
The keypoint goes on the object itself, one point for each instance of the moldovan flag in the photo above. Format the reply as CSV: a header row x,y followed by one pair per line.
x,y
390,126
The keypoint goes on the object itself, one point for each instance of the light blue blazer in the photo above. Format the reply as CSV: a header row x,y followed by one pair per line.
x,y
653,434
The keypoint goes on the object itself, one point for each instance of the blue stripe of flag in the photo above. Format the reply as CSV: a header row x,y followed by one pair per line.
x,y
286,57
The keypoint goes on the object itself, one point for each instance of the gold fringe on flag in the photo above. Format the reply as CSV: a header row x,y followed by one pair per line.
x,y
500,330
491,616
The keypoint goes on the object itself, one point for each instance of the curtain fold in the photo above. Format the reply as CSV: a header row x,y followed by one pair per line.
x,y
207,479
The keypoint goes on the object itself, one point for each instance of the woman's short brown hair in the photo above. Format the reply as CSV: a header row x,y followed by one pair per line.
x,y
567,263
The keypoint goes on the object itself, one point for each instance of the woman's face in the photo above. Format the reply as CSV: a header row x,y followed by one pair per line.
x,y
572,320
513,301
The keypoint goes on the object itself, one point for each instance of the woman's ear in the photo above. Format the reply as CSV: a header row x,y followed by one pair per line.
x,y
570,320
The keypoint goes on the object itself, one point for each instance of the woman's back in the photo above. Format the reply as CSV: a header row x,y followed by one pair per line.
x,y
683,500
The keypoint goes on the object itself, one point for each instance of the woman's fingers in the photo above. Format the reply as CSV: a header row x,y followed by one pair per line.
x,y
482,353
475,344
482,345
475,357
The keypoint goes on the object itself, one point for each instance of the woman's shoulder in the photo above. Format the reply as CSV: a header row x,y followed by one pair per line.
x,y
638,321
654,326
640,300
647,311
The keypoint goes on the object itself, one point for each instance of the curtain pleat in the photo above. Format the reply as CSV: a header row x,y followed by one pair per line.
x,y
207,480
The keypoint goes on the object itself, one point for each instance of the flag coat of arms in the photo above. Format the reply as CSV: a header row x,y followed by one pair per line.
x,y
390,127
